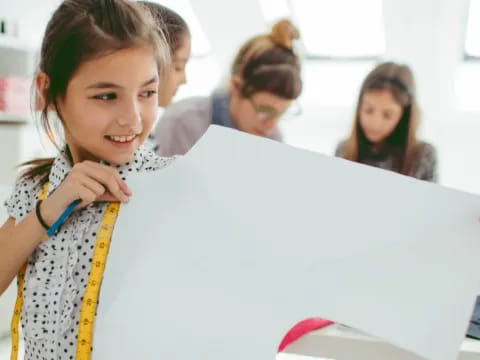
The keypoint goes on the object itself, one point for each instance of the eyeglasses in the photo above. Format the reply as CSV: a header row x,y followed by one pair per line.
x,y
266,112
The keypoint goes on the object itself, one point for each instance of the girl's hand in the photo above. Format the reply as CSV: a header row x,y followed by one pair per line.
x,y
88,181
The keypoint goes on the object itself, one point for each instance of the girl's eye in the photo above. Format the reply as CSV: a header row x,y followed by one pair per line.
x,y
368,110
105,97
148,93
387,116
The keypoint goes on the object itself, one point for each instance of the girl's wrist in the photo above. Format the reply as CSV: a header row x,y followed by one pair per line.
x,y
49,212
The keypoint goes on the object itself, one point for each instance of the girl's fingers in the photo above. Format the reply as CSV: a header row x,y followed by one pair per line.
x,y
109,178
125,188
86,196
107,196
93,185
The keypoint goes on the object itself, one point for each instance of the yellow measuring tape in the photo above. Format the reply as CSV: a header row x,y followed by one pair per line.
x,y
92,290
90,298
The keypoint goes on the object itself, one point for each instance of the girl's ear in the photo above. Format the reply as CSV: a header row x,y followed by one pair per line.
x,y
42,81
236,85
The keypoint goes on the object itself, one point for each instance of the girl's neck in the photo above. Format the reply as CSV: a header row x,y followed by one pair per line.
x,y
76,155
377,147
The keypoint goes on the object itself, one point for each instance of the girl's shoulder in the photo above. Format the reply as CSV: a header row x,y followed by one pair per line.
x,y
194,107
23,197
426,150
425,162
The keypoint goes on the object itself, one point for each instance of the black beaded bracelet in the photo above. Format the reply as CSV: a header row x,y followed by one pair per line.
x,y
39,216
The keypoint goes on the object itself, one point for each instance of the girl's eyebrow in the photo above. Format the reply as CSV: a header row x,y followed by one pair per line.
x,y
110,85
104,85
151,81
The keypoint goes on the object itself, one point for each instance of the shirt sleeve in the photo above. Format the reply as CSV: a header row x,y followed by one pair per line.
x,y
427,164
180,128
22,200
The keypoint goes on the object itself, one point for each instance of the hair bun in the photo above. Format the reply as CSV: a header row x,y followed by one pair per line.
x,y
284,32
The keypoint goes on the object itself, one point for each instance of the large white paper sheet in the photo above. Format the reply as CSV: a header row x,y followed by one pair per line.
x,y
219,254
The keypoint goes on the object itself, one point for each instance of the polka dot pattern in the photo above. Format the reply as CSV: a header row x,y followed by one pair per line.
x,y
58,269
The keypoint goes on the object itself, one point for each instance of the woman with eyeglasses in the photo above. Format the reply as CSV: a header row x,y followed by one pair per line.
x,y
265,80
384,132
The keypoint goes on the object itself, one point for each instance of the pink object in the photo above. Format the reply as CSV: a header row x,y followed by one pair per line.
x,y
15,94
302,328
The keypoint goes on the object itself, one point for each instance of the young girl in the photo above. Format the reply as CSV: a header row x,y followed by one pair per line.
x,y
178,37
385,125
265,79
99,73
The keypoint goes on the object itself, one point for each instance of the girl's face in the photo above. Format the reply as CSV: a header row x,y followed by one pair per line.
x,y
259,113
380,114
110,105
176,74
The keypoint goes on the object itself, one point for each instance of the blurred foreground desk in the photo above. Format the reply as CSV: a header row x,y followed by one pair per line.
x,y
341,343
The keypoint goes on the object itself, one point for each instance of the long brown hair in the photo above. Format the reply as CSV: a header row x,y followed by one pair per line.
x,y
269,63
399,80
80,30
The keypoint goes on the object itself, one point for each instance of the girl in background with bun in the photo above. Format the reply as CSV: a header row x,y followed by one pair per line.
x,y
265,80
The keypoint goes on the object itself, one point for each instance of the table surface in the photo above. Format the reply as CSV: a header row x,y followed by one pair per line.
x,y
342,343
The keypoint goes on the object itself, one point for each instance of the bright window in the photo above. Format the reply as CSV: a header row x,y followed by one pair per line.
x,y
472,41
334,29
